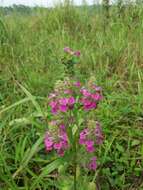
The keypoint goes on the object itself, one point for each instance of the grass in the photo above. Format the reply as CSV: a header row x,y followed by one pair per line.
x,y
31,49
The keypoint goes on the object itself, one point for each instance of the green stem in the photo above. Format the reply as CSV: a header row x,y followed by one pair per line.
x,y
75,165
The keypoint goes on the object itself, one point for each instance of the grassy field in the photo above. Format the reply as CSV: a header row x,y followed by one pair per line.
x,y
31,49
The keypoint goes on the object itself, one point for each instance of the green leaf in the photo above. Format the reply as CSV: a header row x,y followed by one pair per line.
x,y
119,148
47,170
91,186
75,60
28,155
135,142
74,129
32,98
14,105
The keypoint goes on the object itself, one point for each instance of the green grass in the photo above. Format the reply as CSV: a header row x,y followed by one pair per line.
x,y
31,49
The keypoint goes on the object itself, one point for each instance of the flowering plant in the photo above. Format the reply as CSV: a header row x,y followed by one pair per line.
x,y
74,130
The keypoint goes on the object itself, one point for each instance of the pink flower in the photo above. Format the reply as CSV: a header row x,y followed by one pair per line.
x,y
88,104
68,91
48,143
85,92
82,141
92,165
77,84
54,106
60,152
96,96
84,133
65,144
97,88
67,49
63,104
63,108
63,101
58,146
71,100
77,53
83,136
90,146
98,134
62,127
64,136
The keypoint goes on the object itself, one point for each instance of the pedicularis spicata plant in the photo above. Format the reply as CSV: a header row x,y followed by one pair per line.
x,y
74,134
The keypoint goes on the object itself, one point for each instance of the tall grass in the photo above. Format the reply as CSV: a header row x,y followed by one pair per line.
x,y
31,49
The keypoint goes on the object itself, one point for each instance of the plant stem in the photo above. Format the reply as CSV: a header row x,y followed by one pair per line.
x,y
75,165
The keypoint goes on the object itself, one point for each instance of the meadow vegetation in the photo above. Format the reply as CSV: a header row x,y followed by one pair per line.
x,y
31,53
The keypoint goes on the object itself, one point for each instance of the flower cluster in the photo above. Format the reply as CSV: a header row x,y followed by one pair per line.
x,y
71,52
92,164
59,142
62,104
68,101
88,99
89,137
